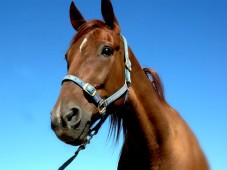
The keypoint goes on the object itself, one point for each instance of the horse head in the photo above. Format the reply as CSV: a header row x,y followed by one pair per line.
x,y
96,71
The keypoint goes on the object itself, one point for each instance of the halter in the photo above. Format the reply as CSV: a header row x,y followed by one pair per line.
x,y
91,91
101,103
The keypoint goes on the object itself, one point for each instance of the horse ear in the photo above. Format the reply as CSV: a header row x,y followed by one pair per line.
x,y
75,17
108,15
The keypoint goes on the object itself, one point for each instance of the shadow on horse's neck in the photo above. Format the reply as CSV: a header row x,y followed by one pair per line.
x,y
146,122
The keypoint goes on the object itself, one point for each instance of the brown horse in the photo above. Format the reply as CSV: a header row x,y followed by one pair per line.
x,y
104,78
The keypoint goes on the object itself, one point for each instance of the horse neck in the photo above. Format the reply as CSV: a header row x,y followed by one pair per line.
x,y
155,134
151,113
154,131
146,123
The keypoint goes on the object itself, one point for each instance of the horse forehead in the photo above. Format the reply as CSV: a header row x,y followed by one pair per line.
x,y
103,35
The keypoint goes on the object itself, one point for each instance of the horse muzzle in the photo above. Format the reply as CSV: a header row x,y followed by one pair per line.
x,y
70,126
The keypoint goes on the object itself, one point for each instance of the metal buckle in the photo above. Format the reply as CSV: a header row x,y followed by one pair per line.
x,y
102,107
89,92
128,65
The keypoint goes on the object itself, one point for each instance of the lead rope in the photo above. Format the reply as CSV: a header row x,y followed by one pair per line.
x,y
92,133
81,147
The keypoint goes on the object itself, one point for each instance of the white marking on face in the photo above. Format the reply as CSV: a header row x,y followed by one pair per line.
x,y
83,43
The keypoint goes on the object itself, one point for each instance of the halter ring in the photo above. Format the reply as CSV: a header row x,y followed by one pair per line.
x,y
102,107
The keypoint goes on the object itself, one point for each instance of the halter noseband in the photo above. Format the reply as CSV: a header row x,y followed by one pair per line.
x,y
100,103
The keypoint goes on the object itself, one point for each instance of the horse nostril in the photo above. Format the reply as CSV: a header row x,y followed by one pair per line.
x,y
72,118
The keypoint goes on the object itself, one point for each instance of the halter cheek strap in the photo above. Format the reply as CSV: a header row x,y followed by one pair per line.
x,y
90,90
128,66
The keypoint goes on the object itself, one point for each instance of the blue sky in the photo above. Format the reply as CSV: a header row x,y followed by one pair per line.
x,y
185,41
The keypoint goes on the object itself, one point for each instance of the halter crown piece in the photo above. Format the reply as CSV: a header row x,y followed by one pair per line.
x,y
101,103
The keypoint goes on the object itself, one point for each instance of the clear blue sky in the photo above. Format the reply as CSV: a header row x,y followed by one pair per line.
x,y
184,40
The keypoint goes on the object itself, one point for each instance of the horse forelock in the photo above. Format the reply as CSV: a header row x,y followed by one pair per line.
x,y
89,26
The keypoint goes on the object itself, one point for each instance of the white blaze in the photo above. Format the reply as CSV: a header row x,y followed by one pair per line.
x,y
83,43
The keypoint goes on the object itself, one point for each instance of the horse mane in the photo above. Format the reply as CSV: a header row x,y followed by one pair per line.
x,y
155,82
116,121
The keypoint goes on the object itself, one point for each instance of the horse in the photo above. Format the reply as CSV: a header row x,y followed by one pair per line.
x,y
106,80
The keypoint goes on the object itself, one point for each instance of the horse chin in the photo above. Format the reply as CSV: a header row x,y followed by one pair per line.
x,y
76,142
74,136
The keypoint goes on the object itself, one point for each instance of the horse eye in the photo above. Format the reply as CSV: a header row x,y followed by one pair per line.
x,y
107,51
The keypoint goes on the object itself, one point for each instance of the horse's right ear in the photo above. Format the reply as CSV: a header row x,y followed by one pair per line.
x,y
76,18
108,15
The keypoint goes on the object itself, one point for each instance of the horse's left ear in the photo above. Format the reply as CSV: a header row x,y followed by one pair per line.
x,y
108,15
76,18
